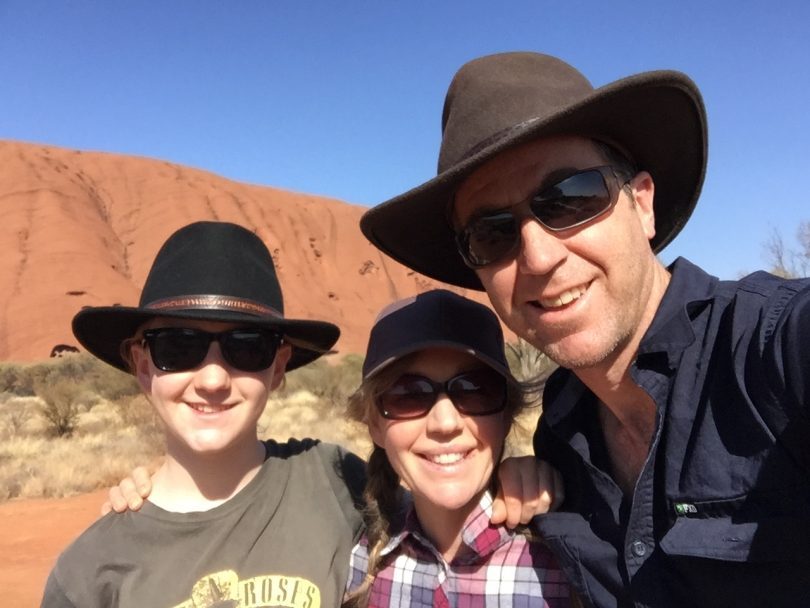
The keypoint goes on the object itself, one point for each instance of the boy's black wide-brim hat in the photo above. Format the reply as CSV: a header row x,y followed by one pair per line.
x,y
213,271
497,102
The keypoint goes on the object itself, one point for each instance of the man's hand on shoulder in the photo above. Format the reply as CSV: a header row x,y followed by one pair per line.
x,y
130,493
526,487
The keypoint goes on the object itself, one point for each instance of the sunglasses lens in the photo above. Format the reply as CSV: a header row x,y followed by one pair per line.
x,y
478,392
249,350
573,201
175,349
473,393
488,238
409,396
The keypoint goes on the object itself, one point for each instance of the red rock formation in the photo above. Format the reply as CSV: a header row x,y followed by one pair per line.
x,y
82,228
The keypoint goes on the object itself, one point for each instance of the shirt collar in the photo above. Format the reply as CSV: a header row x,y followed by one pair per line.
x,y
689,290
477,534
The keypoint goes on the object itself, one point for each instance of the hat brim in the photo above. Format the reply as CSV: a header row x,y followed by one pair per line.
x,y
657,118
101,330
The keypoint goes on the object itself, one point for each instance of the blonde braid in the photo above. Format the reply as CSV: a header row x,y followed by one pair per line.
x,y
383,496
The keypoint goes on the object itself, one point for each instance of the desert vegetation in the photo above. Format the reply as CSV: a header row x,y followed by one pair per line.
x,y
73,424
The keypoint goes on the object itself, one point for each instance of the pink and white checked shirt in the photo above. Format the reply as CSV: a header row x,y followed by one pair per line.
x,y
502,569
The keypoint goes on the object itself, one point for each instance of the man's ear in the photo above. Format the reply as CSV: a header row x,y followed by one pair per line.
x,y
283,355
643,189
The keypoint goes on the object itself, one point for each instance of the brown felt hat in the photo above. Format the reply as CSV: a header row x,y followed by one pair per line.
x,y
497,102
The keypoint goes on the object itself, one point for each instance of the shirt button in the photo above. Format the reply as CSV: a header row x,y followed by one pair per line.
x,y
639,548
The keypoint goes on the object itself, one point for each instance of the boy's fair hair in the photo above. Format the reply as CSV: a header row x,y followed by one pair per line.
x,y
383,492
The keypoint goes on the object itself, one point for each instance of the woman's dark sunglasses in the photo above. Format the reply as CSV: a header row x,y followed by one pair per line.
x,y
474,393
177,349
574,201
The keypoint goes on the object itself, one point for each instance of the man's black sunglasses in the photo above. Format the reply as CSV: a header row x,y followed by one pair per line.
x,y
177,349
474,393
576,200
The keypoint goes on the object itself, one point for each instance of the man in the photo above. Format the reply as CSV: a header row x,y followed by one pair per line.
x,y
679,415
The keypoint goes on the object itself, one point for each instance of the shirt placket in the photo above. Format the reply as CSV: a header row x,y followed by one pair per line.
x,y
639,541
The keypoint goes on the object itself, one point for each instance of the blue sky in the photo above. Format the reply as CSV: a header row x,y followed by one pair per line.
x,y
344,98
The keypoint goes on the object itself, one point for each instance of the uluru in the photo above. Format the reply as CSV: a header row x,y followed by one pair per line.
x,y
82,228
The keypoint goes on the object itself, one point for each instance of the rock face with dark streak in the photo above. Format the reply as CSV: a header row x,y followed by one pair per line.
x,y
82,228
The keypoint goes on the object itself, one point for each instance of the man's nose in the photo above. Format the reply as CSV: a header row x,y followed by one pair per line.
x,y
540,250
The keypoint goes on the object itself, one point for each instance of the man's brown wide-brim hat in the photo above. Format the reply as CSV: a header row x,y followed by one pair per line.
x,y
497,102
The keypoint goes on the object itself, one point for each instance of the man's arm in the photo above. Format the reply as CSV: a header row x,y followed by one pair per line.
x,y
526,487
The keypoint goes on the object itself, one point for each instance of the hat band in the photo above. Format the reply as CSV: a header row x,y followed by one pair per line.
x,y
208,302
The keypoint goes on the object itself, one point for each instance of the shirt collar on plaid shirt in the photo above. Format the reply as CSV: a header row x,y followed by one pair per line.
x,y
481,537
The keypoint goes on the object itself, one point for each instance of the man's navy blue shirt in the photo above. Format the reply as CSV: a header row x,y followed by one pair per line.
x,y
720,515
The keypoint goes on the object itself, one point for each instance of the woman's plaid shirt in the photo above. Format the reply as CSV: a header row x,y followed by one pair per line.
x,y
498,568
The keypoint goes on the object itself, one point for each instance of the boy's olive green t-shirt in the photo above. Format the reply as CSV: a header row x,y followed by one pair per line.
x,y
283,540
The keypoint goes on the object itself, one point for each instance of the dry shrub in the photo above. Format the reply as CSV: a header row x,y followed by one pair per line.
x,y
15,379
61,404
302,414
15,415
136,411
527,363
38,467
96,376
113,435
330,382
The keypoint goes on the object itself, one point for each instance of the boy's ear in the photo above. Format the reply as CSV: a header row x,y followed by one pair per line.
x,y
142,371
283,355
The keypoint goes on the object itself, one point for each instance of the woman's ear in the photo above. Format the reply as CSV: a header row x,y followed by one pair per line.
x,y
376,428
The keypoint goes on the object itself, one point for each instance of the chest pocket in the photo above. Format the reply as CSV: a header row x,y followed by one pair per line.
x,y
722,538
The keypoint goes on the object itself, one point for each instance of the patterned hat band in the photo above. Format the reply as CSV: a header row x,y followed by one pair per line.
x,y
210,302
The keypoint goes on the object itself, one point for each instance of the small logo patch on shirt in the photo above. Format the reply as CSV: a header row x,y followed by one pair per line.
x,y
685,508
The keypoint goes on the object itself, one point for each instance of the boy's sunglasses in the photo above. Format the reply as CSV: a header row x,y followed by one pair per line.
x,y
177,349
574,201
475,393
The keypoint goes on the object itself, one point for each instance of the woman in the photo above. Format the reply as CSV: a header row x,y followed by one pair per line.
x,y
439,400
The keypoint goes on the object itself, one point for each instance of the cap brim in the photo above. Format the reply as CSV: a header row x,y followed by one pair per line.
x,y
657,116
414,347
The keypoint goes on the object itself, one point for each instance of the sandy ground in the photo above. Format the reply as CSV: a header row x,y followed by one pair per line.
x,y
32,534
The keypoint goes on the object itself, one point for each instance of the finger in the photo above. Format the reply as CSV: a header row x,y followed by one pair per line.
x,y
511,482
130,494
117,500
143,481
559,490
106,507
534,496
498,510
548,480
